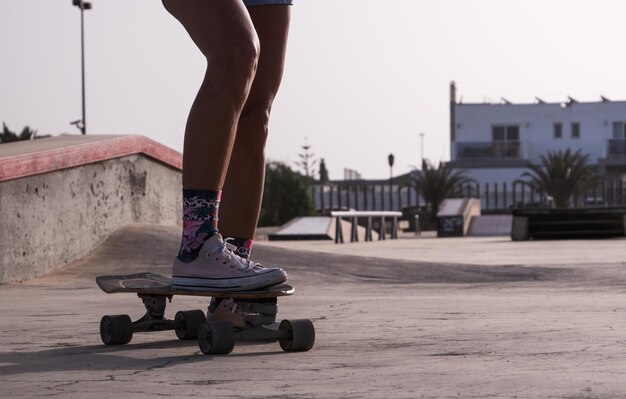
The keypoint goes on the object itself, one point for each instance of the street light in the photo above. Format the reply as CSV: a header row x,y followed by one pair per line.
x,y
83,5
390,158
422,150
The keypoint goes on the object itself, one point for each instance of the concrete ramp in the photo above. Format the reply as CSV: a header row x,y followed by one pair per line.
x,y
315,228
490,225
454,216
306,228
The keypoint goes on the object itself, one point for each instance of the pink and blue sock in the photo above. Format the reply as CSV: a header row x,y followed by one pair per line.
x,y
200,216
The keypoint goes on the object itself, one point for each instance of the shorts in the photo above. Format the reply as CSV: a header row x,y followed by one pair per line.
x,y
250,3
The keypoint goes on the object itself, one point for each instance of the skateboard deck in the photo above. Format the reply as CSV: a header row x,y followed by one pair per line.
x,y
156,284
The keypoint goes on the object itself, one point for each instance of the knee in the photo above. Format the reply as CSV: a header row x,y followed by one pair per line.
x,y
237,61
252,131
256,117
256,112
244,56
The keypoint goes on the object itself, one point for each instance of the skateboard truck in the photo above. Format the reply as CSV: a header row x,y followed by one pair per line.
x,y
155,306
154,319
119,329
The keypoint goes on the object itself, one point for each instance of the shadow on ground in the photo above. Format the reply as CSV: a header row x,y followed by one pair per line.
x,y
102,358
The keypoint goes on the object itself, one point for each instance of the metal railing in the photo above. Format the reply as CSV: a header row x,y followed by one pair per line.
x,y
616,148
365,197
493,196
488,150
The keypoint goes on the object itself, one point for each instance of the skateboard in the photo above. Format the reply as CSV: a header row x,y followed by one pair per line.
x,y
214,337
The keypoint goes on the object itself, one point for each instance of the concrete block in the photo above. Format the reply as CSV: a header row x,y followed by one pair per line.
x,y
52,219
455,215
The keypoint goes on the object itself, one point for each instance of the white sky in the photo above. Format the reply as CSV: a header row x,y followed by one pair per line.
x,y
363,77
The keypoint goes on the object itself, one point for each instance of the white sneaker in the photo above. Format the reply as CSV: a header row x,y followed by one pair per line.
x,y
217,268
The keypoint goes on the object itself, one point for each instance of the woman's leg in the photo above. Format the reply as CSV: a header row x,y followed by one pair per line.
x,y
243,189
224,33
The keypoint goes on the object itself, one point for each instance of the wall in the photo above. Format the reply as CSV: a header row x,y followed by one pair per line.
x,y
54,218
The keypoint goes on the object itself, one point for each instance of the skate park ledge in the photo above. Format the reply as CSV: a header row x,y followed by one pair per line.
x,y
60,197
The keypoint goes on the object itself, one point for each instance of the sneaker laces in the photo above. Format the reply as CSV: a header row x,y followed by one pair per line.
x,y
246,263
228,250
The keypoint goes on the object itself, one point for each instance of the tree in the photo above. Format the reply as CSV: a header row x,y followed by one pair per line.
x,y
437,184
307,163
286,195
563,175
7,136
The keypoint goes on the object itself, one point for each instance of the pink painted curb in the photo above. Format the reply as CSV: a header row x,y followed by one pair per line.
x,y
23,165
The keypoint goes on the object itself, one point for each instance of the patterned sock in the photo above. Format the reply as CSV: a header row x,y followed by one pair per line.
x,y
200,208
244,246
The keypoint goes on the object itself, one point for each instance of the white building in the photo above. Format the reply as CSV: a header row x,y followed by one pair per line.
x,y
494,142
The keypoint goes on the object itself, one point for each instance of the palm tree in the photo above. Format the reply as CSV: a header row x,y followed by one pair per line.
x,y
437,184
7,136
563,175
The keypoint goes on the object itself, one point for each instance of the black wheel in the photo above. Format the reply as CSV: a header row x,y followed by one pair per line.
x,y
216,338
301,335
192,320
116,330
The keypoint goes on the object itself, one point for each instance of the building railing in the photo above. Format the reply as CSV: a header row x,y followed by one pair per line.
x,y
616,148
488,150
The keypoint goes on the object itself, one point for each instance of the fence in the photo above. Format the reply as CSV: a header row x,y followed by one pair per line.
x,y
365,197
502,197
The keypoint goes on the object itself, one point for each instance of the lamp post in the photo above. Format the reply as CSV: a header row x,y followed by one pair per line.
x,y
83,5
421,150
390,159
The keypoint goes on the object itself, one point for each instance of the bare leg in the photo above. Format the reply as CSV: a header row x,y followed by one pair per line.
x,y
243,189
224,33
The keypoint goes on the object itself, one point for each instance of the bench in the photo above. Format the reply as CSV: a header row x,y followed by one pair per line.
x,y
576,223
370,215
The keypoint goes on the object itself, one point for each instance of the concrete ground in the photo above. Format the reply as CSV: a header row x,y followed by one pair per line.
x,y
411,318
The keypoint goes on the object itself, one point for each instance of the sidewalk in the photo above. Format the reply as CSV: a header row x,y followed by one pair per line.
x,y
410,318
491,251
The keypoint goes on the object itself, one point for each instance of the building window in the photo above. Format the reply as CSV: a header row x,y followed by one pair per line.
x,y
558,130
619,130
575,130
505,141
505,132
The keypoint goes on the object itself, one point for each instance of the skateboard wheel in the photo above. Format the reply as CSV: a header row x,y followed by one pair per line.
x,y
216,338
116,330
192,320
301,337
